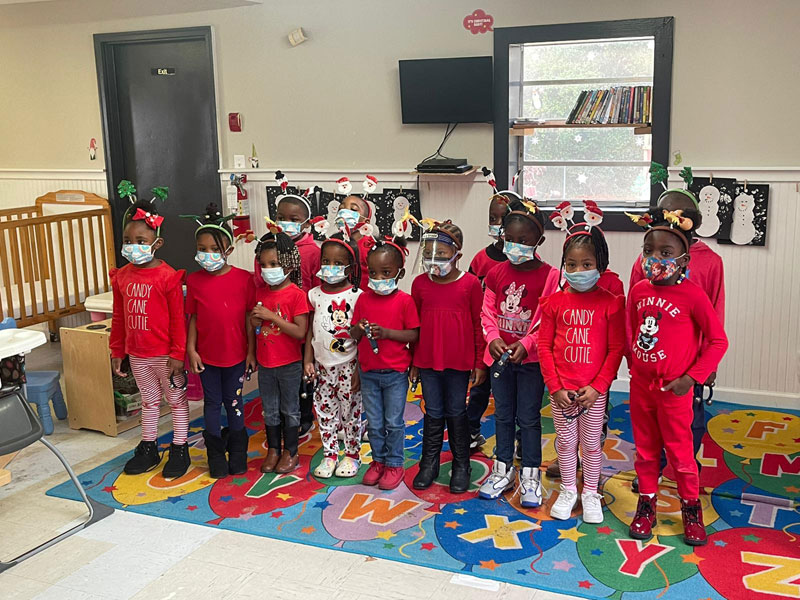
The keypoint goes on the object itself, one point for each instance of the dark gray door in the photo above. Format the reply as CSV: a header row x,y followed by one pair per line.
x,y
160,126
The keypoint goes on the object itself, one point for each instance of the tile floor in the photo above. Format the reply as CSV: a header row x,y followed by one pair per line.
x,y
130,556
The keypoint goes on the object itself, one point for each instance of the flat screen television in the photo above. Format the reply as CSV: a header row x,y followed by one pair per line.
x,y
447,90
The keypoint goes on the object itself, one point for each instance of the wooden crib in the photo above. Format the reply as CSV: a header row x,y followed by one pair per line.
x,y
53,255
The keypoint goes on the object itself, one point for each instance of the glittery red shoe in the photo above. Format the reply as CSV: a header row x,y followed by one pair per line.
x,y
694,532
645,519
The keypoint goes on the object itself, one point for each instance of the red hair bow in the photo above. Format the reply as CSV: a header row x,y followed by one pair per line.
x,y
151,220
341,305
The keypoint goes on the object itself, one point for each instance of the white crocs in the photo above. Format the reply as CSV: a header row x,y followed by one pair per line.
x,y
592,507
348,467
562,507
325,469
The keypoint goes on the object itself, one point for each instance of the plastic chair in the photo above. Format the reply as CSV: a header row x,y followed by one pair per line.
x,y
41,387
19,428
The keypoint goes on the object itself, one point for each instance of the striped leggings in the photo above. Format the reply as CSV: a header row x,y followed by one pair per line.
x,y
586,429
152,378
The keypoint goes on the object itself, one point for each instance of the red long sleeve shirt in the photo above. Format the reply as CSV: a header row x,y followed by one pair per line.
x,y
148,318
581,339
669,322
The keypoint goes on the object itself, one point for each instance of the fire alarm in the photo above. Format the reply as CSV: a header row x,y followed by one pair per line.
x,y
235,121
297,36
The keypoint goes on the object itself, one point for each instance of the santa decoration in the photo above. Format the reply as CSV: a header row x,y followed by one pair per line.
x,y
566,210
370,184
343,186
592,214
559,222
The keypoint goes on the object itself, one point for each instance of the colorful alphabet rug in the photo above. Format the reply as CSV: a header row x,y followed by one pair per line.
x,y
751,478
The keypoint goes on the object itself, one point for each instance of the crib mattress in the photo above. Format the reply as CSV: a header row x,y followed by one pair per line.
x,y
50,304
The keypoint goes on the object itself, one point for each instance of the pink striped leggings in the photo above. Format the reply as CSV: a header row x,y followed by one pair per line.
x,y
587,429
152,378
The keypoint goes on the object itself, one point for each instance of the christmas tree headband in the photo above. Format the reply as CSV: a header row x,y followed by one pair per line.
x,y
673,221
659,174
126,189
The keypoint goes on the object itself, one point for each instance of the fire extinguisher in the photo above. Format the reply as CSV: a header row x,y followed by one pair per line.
x,y
238,204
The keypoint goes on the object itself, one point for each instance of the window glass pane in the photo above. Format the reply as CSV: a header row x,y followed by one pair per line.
x,y
618,185
585,60
587,144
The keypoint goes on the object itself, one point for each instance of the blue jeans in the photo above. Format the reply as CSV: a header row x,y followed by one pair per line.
x,y
478,403
223,386
278,388
445,392
518,396
383,393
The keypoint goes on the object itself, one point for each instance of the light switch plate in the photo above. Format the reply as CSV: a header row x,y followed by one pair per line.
x,y
239,161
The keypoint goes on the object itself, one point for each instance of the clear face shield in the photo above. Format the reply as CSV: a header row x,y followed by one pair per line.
x,y
438,253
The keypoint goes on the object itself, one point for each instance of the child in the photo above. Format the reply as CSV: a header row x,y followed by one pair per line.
x,y
330,358
149,326
280,318
449,353
510,318
581,343
706,270
220,345
355,211
670,316
389,317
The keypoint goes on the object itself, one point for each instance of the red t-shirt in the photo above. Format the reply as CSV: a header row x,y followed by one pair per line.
x,y
364,246
221,303
486,260
395,311
148,318
511,305
668,323
274,348
310,257
450,334
581,339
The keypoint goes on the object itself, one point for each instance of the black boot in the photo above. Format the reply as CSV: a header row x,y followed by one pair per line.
x,y
145,458
178,462
215,450
432,437
460,469
237,452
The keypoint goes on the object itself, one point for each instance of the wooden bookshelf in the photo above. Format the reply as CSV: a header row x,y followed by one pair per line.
x,y
530,128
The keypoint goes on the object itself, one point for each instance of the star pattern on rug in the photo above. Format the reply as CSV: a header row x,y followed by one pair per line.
x,y
388,546
225,498
452,524
562,565
308,530
427,546
110,488
792,489
720,543
736,513
751,538
605,530
191,508
596,552
283,496
489,564
386,534
460,511
323,505
175,499
277,514
692,558
668,522
728,430
738,446
521,572
238,481
570,534
615,431
585,584
409,437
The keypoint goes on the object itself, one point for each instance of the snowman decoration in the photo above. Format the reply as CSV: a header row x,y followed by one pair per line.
x,y
742,228
400,205
709,204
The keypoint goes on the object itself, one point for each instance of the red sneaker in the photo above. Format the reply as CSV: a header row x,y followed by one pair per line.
x,y
391,478
374,473
642,525
694,532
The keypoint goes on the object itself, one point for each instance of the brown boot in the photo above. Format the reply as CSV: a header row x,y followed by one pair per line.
x,y
287,463
270,460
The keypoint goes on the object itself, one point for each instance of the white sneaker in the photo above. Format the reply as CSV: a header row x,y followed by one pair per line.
x,y
501,479
566,501
530,487
592,507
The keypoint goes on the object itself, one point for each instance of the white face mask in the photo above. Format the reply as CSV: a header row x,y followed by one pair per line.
x,y
274,275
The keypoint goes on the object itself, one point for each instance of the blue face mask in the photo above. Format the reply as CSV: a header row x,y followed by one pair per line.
x,y
291,228
350,217
384,287
518,253
137,254
582,281
495,231
333,273
210,261
274,275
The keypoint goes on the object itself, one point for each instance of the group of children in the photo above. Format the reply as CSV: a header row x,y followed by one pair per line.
x,y
511,326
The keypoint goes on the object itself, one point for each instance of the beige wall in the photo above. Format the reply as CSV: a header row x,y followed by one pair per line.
x,y
334,102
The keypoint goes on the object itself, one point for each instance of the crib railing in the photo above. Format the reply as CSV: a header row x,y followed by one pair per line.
x,y
53,255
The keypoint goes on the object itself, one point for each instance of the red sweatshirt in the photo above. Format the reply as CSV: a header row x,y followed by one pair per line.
x,y
310,256
581,339
148,317
511,310
608,281
486,260
450,335
668,324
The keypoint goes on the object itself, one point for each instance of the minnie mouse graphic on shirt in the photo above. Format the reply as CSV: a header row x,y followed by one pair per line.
x,y
513,318
338,324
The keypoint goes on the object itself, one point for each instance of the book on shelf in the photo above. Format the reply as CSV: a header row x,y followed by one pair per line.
x,y
620,104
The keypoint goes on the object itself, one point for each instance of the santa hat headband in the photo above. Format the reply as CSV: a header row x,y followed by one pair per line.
x,y
345,187
563,218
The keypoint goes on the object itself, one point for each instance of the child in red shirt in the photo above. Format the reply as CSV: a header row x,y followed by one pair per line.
x,y
449,305
220,345
280,318
678,341
148,325
356,213
387,316
581,342
706,270
510,318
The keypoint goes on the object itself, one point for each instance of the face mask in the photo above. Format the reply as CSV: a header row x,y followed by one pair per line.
x,y
210,261
333,273
440,268
384,287
494,231
518,253
659,269
350,217
138,254
581,281
274,275
291,228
